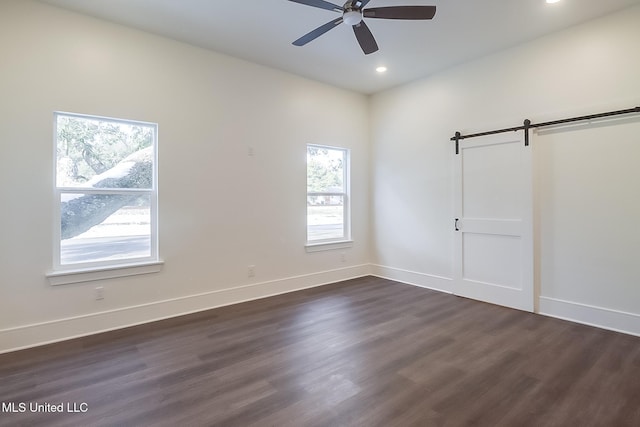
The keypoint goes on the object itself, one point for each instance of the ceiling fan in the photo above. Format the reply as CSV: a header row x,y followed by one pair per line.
x,y
352,13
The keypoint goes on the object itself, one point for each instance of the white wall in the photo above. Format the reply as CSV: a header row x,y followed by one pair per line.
x,y
585,254
220,210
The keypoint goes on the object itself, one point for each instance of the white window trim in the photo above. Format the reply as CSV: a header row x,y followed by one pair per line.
x,y
328,246
80,275
90,271
345,241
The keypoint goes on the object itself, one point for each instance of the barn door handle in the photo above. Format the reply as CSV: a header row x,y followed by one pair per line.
x,y
455,224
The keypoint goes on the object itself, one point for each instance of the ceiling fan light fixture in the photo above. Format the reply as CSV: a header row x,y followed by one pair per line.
x,y
352,17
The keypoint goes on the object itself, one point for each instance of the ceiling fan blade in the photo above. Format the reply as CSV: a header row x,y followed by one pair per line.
x,y
365,38
401,12
320,3
317,32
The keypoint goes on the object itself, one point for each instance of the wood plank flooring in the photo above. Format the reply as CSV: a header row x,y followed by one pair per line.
x,y
365,352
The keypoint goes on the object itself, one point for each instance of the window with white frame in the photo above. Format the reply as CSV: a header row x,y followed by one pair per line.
x,y
105,192
327,194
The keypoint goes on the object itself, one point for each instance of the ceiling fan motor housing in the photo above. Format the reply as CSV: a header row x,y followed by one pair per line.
x,y
352,17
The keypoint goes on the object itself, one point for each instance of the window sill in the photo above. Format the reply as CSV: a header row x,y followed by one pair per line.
x,y
328,246
65,277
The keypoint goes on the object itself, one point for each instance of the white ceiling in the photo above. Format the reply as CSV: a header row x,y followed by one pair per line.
x,y
261,31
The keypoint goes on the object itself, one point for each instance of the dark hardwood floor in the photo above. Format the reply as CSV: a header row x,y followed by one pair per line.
x,y
366,352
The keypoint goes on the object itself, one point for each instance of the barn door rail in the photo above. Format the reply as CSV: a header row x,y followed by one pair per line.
x,y
527,125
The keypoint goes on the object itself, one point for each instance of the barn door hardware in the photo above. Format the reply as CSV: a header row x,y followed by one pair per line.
x,y
528,125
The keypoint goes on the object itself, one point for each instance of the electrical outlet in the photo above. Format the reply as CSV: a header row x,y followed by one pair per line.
x,y
99,293
343,257
251,271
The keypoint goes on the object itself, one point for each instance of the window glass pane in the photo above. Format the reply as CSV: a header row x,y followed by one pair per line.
x,y
95,153
100,227
325,217
325,170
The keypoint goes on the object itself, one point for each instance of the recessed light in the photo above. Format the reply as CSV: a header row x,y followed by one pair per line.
x,y
552,1
381,69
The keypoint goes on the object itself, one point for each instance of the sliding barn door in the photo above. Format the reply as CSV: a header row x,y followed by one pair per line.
x,y
493,207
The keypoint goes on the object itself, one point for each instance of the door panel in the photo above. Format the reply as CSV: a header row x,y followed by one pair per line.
x,y
491,178
491,259
494,241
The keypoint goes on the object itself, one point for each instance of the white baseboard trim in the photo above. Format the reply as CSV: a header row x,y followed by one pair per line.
x,y
38,334
605,318
27,336
423,280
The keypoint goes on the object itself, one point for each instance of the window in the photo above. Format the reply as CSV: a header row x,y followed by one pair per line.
x,y
327,195
105,192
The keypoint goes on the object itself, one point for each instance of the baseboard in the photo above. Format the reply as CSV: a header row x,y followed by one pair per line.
x,y
600,317
613,320
423,280
34,335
